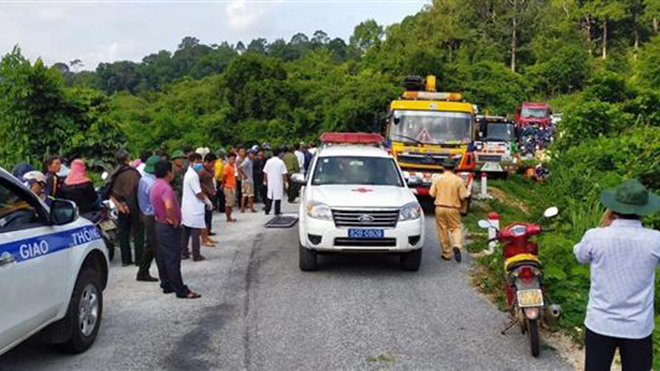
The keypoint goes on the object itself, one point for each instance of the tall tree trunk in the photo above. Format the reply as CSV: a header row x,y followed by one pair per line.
x,y
636,42
655,25
604,38
587,30
514,43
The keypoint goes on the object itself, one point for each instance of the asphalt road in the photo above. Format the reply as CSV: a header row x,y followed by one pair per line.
x,y
260,312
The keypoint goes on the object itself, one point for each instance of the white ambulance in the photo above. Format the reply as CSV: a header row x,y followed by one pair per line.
x,y
355,199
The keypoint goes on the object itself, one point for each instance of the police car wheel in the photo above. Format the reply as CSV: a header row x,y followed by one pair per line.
x,y
411,261
307,259
84,313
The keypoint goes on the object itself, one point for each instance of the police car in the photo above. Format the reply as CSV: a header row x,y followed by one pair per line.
x,y
355,199
53,270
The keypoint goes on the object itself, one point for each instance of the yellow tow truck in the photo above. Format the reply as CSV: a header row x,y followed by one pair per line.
x,y
425,127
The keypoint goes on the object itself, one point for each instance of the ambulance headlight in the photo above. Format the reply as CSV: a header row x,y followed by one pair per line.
x,y
412,211
319,210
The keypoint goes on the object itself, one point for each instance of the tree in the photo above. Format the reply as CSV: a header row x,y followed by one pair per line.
x,y
258,46
240,47
522,14
62,67
244,75
299,38
652,13
605,11
365,35
320,38
118,76
53,120
156,70
188,42
214,62
76,64
338,48
564,71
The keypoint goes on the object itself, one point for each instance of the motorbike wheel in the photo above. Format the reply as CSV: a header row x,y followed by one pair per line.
x,y
533,336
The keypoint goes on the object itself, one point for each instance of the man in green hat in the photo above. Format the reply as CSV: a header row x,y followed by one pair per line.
x,y
623,256
179,170
449,190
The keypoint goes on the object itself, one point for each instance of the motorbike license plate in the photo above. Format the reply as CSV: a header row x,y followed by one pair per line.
x,y
530,298
108,225
366,234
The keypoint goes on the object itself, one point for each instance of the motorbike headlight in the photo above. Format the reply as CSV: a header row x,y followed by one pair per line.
x,y
318,210
412,211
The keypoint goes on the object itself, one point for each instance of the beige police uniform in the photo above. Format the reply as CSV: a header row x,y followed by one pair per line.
x,y
449,191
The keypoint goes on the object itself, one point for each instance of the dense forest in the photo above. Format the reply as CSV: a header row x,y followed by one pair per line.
x,y
597,61
497,52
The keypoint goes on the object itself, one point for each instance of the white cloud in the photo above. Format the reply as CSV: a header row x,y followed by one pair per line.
x,y
245,15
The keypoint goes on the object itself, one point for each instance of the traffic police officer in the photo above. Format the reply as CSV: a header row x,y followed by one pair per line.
x,y
449,191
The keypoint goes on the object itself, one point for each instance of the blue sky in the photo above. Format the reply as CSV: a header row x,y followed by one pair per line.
x,y
105,31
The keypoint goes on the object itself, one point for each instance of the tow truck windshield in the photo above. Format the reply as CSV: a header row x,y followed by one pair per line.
x,y
500,132
534,112
431,127
377,171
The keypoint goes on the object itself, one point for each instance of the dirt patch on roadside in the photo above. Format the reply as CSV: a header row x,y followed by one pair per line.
x,y
567,348
506,199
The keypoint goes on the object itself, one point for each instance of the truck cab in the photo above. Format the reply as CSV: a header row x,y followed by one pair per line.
x,y
426,127
497,143
535,114
53,270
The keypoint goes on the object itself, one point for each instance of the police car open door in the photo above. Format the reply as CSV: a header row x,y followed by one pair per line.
x,y
33,264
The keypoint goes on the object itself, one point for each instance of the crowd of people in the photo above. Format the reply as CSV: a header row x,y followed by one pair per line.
x,y
166,202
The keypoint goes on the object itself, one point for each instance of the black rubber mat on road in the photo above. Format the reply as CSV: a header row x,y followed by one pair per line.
x,y
282,222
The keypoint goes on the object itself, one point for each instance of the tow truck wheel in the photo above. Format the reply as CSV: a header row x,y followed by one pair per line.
x,y
84,313
307,258
411,261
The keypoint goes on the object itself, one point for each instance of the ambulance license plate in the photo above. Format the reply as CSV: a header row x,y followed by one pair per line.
x,y
530,298
366,234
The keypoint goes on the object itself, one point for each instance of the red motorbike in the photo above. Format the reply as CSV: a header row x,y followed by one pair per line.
x,y
524,287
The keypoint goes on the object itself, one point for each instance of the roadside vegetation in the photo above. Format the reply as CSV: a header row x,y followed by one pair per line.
x,y
596,61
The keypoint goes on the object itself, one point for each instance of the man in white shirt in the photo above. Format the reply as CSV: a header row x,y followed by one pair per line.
x,y
276,181
300,155
193,209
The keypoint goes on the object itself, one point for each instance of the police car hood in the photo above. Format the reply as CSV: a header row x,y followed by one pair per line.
x,y
362,196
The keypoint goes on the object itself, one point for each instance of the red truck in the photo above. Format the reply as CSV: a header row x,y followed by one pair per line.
x,y
537,114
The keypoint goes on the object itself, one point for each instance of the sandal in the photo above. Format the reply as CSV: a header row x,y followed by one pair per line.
x,y
191,295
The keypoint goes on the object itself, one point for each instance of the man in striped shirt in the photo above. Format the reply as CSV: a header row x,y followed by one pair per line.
x,y
623,256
